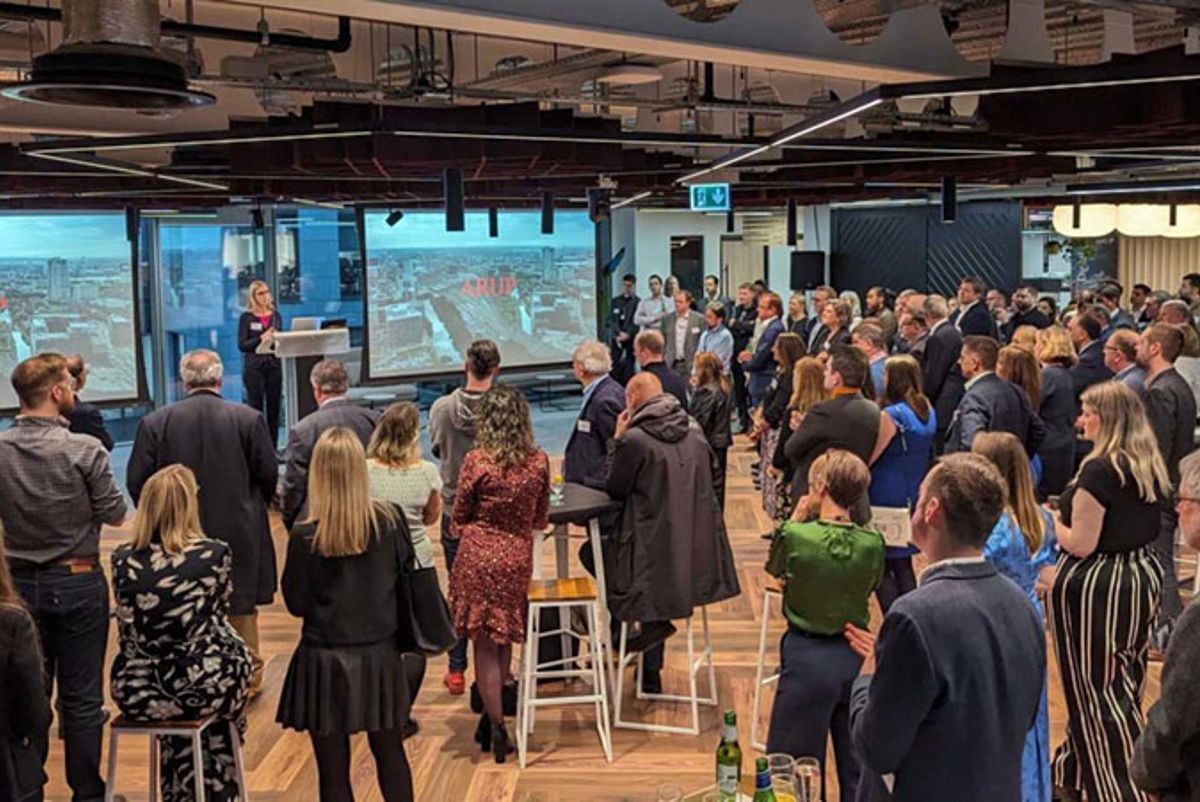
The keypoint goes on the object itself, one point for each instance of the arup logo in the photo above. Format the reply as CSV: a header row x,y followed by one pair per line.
x,y
710,197
495,286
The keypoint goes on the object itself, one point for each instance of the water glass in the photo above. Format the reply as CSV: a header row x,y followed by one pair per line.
x,y
781,764
669,793
556,491
784,788
808,779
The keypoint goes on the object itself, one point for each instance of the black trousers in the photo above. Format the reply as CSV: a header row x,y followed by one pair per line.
x,y
741,394
719,479
654,656
71,611
898,579
263,380
458,652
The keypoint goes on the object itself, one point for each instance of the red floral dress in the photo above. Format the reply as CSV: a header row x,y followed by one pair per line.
x,y
495,514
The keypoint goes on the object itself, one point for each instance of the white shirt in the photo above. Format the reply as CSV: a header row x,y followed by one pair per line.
x,y
681,328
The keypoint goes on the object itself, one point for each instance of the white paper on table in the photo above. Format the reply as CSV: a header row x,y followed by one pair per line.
x,y
894,523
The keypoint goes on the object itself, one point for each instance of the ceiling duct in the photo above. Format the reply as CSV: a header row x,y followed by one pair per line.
x,y
280,74
109,59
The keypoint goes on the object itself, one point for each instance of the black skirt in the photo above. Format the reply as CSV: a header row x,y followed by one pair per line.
x,y
345,690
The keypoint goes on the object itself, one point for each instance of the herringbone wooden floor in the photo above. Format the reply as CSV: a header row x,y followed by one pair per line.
x,y
566,763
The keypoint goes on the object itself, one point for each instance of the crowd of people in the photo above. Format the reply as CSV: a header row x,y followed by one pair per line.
x,y
1039,457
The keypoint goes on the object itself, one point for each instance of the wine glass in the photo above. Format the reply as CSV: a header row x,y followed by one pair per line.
x,y
808,779
556,490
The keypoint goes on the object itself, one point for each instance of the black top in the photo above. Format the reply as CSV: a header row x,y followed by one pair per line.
x,y
710,408
1129,521
671,381
347,601
24,710
250,331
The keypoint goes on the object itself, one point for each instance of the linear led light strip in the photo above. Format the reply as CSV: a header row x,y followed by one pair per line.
x,y
135,171
621,204
1009,90
849,109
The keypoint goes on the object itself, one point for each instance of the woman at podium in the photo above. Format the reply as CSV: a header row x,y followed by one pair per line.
x,y
262,375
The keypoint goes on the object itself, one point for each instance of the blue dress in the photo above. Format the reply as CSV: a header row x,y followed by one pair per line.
x,y
897,475
1007,550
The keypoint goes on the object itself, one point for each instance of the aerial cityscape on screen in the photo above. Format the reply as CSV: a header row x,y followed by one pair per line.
x,y
431,292
66,285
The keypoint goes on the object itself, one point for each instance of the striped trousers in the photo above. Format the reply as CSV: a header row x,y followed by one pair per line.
x,y
1101,612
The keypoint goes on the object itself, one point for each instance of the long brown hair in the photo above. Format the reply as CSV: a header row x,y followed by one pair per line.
x,y
790,348
503,427
397,438
1005,451
709,368
168,507
1016,365
808,384
339,496
902,382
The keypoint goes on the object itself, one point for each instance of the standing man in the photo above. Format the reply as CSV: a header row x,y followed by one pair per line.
x,y
869,339
1110,299
972,317
1171,410
585,460
681,332
943,379
1138,297
712,295
85,417
651,311
953,682
229,449
451,436
56,489
1189,291
991,404
759,364
1154,305
716,338
1089,368
741,325
914,334
648,349
1025,312
624,309
330,383
818,331
877,307
1120,356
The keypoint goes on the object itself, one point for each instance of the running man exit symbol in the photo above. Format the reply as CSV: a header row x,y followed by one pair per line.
x,y
710,197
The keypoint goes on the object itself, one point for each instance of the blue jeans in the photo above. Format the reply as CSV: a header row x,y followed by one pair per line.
x,y
458,652
71,611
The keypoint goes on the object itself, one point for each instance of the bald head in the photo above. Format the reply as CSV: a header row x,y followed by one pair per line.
x,y
641,388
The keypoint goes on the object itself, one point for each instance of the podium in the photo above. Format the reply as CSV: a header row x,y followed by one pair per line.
x,y
299,351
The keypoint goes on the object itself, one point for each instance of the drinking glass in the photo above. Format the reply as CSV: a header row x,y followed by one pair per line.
x,y
669,793
784,788
782,764
808,779
556,491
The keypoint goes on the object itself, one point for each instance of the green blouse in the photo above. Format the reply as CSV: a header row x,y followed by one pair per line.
x,y
829,571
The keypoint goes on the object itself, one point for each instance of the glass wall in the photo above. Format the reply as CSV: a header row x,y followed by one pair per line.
x,y
319,267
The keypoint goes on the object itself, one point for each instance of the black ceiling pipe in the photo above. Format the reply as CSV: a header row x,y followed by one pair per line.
x,y
172,28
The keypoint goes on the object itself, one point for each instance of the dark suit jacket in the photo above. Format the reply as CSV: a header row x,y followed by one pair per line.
x,y
228,448
302,439
86,419
1034,317
585,460
24,710
1088,370
760,368
741,324
1171,409
672,382
943,379
848,421
977,320
994,405
695,328
1121,319
960,665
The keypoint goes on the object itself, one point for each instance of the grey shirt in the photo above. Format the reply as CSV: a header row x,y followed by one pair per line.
x,y
56,489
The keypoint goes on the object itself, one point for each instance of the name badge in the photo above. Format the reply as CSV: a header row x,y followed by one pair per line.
x,y
584,426
256,327
696,330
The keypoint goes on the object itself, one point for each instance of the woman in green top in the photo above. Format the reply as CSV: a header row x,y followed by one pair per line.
x,y
828,567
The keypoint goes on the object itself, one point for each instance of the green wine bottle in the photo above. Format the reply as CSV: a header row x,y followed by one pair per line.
x,y
763,792
729,760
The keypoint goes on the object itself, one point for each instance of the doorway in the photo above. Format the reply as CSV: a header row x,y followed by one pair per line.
x,y
687,263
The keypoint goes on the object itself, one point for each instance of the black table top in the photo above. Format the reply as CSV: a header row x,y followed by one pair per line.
x,y
581,504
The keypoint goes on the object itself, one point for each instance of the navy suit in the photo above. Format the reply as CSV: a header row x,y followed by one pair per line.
x,y
960,665
760,368
1120,319
86,419
671,381
585,460
994,405
943,379
975,321
1088,370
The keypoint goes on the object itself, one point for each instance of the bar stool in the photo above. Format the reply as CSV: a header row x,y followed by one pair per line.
x,y
693,698
562,594
771,595
187,729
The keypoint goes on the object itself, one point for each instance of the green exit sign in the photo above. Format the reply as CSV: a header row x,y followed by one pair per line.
x,y
710,197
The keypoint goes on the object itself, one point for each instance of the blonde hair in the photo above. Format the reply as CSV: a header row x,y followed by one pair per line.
x,y
168,507
1026,337
1005,451
255,286
396,441
808,384
1125,432
339,497
1054,347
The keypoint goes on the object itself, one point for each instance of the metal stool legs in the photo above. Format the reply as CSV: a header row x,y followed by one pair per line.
x,y
760,681
194,731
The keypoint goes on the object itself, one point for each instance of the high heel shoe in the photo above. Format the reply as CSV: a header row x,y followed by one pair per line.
x,y
483,733
501,748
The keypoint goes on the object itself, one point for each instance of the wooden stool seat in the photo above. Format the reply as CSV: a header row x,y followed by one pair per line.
x,y
193,730
579,588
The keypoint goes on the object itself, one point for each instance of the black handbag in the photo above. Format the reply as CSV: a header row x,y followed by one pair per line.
x,y
426,620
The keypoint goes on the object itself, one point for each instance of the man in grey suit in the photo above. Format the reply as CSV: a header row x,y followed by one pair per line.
x,y
681,331
330,383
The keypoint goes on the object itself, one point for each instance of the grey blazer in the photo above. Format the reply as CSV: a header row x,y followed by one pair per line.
x,y
302,439
695,328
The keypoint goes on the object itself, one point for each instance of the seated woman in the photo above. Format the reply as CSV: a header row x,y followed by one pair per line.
x,y
346,565
24,706
828,567
397,474
179,658
1017,536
